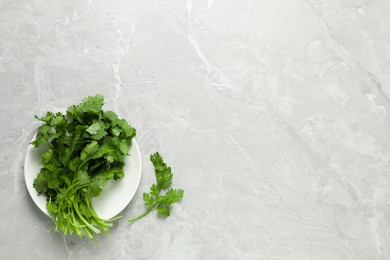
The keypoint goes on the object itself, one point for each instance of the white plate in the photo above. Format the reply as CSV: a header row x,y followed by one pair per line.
x,y
113,199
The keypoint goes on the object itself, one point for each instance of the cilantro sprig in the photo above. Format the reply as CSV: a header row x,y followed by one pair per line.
x,y
154,200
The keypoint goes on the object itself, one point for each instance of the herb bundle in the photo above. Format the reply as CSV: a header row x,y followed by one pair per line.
x,y
86,148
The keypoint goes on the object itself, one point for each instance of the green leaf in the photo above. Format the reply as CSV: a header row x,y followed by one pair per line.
x,y
149,201
94,128
39,141
92,104
164,178
118,174
112,117
109,158
96,186
115,172
163,172
89,150
58,120
42,135
40,183
163,211
52,208
154,191
100,134
97,130
49,161
73,114
123,147
46,157
173,196
127,129
70,144
113,142
53,182
46,118
115,131
103,149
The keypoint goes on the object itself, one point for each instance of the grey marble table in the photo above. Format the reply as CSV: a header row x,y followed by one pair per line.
x,y
274,116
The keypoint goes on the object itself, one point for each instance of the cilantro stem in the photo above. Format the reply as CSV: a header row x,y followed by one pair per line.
x,y
82,164
141,216
94,229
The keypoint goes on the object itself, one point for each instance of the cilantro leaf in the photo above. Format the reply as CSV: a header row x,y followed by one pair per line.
x,y
97,130
149,200
100,134
89,150
112,117
123,147
92,104
163,211
94,128
172,196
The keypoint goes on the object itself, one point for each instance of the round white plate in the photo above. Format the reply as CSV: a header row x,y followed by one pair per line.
x,y
113,199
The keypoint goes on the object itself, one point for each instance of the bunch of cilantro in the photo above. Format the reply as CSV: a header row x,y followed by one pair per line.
x,y
85,149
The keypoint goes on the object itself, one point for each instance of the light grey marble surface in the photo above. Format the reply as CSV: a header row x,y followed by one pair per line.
x,y
274,116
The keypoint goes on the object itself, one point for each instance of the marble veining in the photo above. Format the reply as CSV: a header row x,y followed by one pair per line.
x,y
274,116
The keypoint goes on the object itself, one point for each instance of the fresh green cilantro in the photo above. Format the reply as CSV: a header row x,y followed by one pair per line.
x,y
86,148
154,200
